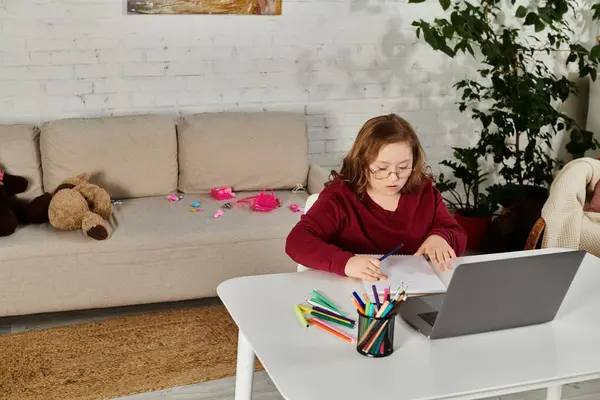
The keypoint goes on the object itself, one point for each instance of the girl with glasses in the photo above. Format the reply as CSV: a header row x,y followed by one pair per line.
x,y
380,198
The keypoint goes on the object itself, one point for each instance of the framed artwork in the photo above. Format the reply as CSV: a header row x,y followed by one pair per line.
x,y
247,7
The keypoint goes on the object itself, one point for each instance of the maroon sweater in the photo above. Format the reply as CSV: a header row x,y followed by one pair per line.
x,y
340,225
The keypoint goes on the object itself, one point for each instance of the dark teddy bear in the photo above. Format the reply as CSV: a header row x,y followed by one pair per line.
x,y
15,211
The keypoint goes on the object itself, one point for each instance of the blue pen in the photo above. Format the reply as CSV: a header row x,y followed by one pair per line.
x,y
391,252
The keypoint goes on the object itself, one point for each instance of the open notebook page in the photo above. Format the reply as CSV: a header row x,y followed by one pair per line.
x,y
418,275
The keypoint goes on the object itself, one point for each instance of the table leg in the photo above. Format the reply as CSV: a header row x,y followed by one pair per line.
x,y
244,376
554,392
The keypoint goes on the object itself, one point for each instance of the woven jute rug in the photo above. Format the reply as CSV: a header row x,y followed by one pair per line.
x,y
119,357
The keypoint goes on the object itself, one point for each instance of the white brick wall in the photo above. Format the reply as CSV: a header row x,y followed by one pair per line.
x,y
338,61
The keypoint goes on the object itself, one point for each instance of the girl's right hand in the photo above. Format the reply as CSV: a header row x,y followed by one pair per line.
x,y
364,267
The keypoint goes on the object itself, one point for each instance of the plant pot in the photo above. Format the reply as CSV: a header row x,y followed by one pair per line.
x,y
475,227
522,207
508,195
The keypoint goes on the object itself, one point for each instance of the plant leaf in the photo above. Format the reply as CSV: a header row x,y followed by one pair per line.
x,y
531,18
521,12
595,53
539,25
445,4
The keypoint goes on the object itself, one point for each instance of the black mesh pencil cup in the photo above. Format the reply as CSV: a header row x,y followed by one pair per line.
x,y
375,335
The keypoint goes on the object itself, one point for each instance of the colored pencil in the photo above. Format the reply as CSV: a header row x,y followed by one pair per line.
x,y
325,317
327,328
378,344
358,299
376,336
391,252
358,306
332,316
314,303
384,307
325,311
376,296
323,302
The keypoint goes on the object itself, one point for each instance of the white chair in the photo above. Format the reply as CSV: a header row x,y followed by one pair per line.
x,y
309,202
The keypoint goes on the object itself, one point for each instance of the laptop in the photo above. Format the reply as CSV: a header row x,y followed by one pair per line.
x,y
493,295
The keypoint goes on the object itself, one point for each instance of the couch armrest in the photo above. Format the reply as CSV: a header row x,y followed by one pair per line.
x,y
317,177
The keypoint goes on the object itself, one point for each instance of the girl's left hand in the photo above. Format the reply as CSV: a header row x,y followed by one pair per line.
x,y
438,250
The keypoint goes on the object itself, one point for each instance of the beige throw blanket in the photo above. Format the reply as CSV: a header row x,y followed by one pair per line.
x,y
567,224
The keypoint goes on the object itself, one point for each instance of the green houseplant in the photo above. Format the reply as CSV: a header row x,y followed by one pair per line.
x,y
514,95
473,209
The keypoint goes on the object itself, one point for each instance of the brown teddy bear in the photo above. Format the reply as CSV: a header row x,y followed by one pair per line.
x,y
78,204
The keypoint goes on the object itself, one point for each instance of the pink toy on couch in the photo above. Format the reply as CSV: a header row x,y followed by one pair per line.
x,y
222,193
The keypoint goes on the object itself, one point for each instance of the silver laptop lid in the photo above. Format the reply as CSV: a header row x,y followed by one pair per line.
x,y
501,294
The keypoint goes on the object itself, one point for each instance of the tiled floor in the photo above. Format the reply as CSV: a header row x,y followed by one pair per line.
x,y
221,389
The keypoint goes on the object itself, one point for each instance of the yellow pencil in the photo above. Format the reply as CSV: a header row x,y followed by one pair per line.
x,y
305,309
300,316
332,317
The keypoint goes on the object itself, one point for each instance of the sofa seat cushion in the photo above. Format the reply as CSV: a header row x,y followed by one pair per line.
x,y
159,252
155,223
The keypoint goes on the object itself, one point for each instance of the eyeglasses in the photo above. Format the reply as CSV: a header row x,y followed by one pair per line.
x,y
401,172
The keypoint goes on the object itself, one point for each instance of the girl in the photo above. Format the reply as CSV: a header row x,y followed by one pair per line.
x,y
380,198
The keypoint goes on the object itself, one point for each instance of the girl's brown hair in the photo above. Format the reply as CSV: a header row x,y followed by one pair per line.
x,y
376,133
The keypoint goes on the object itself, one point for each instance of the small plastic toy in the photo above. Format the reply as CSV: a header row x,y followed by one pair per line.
x,y
196,207
218,214
173,197
222,193
295,208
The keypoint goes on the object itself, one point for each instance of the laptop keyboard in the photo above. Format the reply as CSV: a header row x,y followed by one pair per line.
x,y
429,317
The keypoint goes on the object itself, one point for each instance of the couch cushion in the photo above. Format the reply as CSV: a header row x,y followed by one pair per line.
x,y
20,155
154,222
247,151
128,156
159,251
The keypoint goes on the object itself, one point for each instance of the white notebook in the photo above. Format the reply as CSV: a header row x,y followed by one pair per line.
x,y
413,271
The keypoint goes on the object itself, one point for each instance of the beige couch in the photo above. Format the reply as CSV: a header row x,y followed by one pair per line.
x,y
159,251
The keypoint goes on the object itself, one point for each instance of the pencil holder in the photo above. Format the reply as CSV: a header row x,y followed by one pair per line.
x,y
375,336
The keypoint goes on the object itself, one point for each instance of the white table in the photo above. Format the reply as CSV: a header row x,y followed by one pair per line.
x,y
307,363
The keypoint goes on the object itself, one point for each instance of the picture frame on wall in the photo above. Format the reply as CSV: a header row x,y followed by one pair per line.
x,y
243,7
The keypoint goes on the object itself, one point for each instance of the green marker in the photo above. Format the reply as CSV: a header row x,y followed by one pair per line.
x,y
320,299
324,299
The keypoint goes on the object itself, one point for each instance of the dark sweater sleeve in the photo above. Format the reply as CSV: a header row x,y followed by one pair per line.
x,y
445,225
308,242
